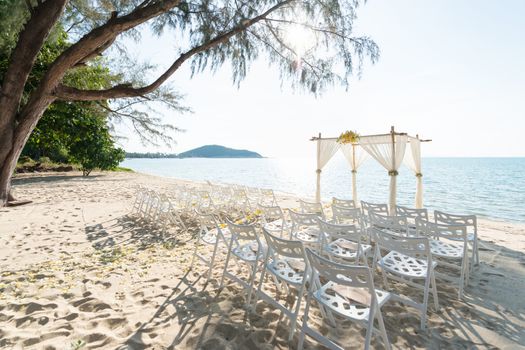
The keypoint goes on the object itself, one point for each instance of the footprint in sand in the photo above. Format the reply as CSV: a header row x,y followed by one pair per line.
x,y
493,274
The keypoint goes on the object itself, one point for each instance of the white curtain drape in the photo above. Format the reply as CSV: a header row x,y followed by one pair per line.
x,y
325,151
413,161
389,151
355,156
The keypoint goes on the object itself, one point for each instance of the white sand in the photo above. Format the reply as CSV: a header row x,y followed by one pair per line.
x,y
75,267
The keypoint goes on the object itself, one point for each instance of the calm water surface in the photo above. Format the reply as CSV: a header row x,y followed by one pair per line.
x,y
490,187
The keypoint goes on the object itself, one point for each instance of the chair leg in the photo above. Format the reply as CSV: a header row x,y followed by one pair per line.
x,y
212,262
385,279
424,307
194,253
252,280
305,321
225,268
434,291
476,248
382,328
370,326
463,276
261,280
293,320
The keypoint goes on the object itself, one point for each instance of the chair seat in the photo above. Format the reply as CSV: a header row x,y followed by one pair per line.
x,y
470,237
211,236
404,265
248,252
346,249
446,250
349,302
307,235
290,270
277,225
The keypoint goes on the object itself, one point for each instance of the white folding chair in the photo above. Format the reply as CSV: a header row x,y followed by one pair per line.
x,y
343,203
349,216
273,220
409,261
220,197
305,228
268,197
245,246
205,203
412,214
349,293
449,247
210,234
168,214
286,261
254,194
367,208
152,206
470,221
394,224
343,242
178,197
311,208
140,196
239,200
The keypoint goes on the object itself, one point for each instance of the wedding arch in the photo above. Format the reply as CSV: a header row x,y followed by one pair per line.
x,y
387,149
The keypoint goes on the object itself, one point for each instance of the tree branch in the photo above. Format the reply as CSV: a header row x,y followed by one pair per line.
x,y
83,48
63,92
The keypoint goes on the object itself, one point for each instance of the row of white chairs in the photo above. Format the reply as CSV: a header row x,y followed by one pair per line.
x,y
156,208
291,266
305,248
183,200
403,220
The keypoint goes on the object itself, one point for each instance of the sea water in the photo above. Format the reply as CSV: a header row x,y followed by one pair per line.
x,y
488,187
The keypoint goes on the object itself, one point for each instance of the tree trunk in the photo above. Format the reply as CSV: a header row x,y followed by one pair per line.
x,y
7,168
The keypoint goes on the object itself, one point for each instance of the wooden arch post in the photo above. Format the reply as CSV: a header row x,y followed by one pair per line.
x,y
318,171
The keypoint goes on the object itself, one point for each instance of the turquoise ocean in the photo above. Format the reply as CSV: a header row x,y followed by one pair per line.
x,y
489,187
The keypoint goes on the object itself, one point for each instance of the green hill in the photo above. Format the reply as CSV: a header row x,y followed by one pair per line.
x,y
216,151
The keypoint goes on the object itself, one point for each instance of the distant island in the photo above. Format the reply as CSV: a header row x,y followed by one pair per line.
x,y
208,151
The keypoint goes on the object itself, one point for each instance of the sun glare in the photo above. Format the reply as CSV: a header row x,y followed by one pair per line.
x,y
300,39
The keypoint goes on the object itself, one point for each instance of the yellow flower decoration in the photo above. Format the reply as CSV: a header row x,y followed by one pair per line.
x,y
348,137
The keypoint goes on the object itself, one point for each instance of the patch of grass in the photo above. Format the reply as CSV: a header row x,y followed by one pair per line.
x,y
44,164
121,168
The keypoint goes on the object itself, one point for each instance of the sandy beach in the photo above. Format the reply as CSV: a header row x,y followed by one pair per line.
x,y
78,271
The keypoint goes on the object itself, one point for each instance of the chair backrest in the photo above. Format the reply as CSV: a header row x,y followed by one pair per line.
x,y
455,219
164,202
412,213
335,231
412,246
344,215
311,208
271,213
344,203
239,194
243,232
206,221
397,224
301,219
347,275
368,208
153,203
267,197
439,231
284,247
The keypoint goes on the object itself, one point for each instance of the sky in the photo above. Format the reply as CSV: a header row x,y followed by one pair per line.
x,y
450,71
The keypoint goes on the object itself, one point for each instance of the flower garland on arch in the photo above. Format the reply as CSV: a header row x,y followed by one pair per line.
x,y
348,136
